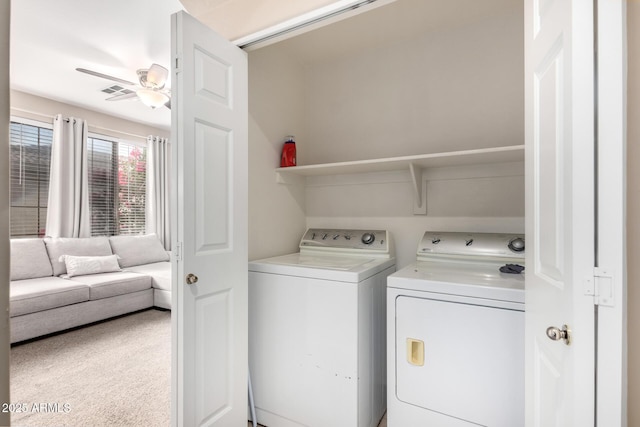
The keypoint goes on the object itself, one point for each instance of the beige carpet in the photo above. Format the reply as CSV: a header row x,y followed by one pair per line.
x,y
115,373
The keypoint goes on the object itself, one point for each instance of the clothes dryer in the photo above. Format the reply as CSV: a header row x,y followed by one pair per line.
x,y
455,330
317,330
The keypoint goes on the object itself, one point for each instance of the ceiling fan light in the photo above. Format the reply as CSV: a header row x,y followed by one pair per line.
x,y
152,98
157,76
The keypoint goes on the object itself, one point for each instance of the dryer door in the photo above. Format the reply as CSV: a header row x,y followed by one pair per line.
x,y
461,359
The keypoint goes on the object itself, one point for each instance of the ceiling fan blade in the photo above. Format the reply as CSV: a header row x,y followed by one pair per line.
x,y
104,76
157,75
122,96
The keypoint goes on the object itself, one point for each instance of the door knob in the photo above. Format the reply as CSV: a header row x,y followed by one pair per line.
x,y
557,334
191,279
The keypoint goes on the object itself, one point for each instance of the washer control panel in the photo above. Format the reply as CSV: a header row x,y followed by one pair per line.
x,y
502,245
355,240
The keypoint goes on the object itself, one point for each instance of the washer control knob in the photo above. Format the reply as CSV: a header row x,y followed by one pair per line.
x,y
517,244
368,238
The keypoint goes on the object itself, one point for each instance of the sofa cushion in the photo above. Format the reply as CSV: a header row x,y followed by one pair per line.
x,y
29,259
33,295
81,265
105,285
137,250
160,273
83,246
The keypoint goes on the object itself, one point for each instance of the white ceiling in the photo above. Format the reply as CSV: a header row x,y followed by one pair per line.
x,y
50,39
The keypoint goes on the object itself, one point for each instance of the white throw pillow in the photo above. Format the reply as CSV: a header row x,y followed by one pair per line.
x,y
138,250
81,265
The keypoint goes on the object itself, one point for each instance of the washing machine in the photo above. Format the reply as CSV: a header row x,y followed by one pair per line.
x,y
317,330
455,326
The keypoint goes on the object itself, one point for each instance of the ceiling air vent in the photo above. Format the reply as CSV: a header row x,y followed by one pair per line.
x,y
116,90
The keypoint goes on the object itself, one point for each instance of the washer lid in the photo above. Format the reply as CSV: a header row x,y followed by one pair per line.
x,y
325,261
477,280
327,267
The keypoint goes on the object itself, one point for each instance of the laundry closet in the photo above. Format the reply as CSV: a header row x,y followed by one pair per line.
x,y
412,113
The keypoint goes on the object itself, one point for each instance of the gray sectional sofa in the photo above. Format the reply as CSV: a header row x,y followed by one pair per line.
x,y
61,283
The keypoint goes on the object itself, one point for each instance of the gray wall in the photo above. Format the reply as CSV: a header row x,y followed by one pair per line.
x,y
43,109
633,211
4,208
446,90
276,212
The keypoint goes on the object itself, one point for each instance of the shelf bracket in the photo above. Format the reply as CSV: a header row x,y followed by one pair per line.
x,y
419,190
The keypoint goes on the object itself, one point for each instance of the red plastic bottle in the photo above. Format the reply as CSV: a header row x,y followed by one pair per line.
x,y
288,152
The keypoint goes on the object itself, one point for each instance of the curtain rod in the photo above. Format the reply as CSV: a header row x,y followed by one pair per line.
x,y
50,118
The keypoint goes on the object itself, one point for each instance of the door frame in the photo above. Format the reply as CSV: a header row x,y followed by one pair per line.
x,y
611,326
611,329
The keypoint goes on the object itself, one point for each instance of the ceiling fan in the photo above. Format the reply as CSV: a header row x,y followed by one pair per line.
x,y
150,90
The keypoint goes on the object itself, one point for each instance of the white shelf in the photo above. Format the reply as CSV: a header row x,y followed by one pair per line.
x,y
413,164
513,153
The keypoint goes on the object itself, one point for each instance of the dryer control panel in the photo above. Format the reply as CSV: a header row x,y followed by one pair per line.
x,y
500,245
349,240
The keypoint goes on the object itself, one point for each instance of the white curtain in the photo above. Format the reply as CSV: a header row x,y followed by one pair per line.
x,y
68,213
157,203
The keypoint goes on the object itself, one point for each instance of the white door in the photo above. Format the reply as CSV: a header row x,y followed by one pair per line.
x,y
559,129
209,190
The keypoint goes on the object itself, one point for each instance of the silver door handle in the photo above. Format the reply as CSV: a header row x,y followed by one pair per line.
x,y
191,279
557,334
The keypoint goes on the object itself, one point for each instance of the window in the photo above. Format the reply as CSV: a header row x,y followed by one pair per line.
x,y
117,187
30,153
132,184
117,182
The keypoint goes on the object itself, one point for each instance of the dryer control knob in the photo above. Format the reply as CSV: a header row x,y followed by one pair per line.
x,y
517,244
368,238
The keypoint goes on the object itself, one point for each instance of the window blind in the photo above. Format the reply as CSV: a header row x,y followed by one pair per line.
x,y
102,164
30,154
